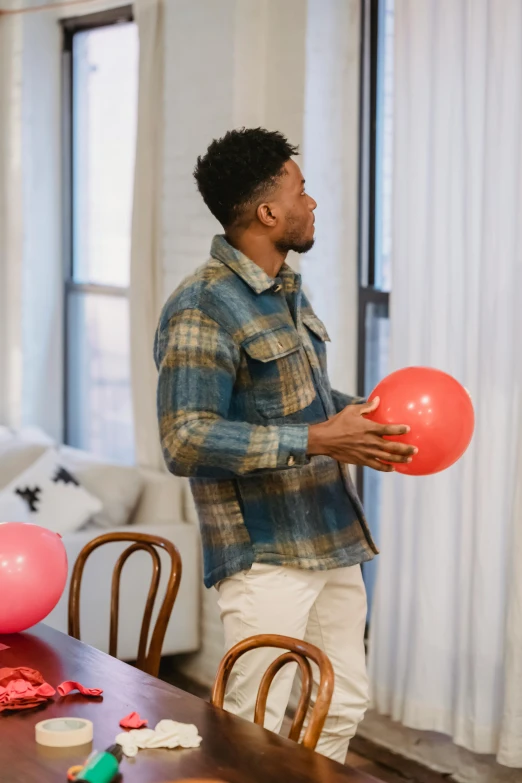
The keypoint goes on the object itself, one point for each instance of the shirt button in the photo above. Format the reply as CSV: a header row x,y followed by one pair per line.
x,y
290,461
277,288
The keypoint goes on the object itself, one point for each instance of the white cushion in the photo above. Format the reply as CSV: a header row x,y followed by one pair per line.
x,y
162,499
190,510
13,508
53,496
19,450
117,486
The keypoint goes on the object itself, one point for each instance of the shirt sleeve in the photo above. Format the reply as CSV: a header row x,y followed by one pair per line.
x,y
341,400
197,361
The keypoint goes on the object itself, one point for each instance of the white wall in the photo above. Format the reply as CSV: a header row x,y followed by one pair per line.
x,y
228,64
199,72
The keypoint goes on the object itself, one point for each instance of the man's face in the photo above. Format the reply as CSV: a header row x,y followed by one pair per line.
x,y
295,211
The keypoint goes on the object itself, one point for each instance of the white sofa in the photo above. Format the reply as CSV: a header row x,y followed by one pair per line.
x,y
165,508
160,512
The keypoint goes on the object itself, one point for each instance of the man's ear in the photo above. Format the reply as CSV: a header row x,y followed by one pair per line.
x,y
266,216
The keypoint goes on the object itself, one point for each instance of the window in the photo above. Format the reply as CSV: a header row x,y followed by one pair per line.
x,y
100,115
375,273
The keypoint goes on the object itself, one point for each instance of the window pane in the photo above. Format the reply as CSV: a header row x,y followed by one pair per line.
x,y
384,152
377,346
105,95
99,404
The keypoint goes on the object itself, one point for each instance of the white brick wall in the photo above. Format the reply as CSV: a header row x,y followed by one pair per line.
x,y
228,64
198,106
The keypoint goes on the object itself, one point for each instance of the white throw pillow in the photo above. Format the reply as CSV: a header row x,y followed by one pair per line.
x,y
19,449
53,496
13,508
6,434
119,487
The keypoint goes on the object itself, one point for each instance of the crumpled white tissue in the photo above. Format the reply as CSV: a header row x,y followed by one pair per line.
x,y
167,734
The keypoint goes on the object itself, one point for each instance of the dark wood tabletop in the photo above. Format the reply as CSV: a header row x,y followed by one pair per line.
x,y
233,750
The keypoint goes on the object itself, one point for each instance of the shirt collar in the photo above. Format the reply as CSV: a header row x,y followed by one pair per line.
x,y
250,272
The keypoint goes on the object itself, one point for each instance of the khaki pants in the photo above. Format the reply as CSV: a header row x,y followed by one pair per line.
x,y
326,608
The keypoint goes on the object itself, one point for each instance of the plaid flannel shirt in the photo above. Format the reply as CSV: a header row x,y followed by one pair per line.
x,y
242,374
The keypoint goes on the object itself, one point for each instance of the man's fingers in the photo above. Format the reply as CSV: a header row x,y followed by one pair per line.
x,y
389,457
394,447
369,407
387,430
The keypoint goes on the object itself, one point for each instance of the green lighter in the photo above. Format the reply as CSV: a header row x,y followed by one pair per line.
x,y
101,767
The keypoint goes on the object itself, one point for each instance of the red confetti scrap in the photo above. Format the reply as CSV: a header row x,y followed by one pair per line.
x,y
133,721
70,685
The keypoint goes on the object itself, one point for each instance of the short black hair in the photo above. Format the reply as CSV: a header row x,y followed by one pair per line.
x,y
239,168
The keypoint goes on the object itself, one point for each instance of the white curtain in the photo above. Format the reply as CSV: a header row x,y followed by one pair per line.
x,y
146,290
11,227
446,630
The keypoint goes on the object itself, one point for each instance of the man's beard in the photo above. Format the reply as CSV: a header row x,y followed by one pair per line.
x,y
302,246
293,240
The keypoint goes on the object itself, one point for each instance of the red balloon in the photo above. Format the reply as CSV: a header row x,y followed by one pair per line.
x,y
33,573
438,410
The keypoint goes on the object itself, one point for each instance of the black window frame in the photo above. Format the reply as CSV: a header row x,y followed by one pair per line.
x,y
71,26
368,293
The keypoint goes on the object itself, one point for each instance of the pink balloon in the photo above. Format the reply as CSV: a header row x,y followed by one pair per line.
x,y
33,573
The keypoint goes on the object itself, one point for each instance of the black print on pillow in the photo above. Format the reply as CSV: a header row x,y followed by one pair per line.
x,y
31,497
65,477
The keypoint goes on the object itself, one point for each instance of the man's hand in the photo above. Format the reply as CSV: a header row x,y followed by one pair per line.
x,y
350,437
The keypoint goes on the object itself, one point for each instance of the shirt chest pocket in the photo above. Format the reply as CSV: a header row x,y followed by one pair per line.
x,y
316,331
282,381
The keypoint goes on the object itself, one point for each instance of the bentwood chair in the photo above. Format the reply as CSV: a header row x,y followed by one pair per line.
x,y
297,652
148,660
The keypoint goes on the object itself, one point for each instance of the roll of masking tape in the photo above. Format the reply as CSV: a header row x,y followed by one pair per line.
x,y
63,732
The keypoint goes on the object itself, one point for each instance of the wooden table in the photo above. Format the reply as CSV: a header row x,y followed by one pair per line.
x,y
233,750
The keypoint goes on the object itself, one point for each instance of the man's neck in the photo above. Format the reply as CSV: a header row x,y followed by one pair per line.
x,y
261,251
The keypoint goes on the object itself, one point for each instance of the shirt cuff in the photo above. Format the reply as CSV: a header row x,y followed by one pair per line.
x,y
293,444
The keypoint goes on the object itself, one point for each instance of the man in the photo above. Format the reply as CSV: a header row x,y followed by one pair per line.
x,y
247,412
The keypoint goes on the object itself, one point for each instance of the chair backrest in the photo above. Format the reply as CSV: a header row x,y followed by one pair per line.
x,y
297,652
147,660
